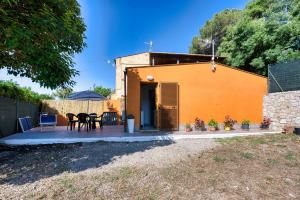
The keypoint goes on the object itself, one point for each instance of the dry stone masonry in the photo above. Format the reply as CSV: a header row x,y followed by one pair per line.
x,y
283,108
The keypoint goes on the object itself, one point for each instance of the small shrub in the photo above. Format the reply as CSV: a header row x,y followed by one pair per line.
x,y
219,159
272,162
187,125
199,124
247,155
229,122
290,156
213,123
246,122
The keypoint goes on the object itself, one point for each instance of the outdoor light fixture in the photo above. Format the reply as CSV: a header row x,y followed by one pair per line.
x,y
150,78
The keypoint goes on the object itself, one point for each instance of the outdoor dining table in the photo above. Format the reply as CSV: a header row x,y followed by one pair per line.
x,y
93,119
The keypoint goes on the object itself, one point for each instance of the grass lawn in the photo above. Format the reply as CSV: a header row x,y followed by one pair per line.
x,y
263,167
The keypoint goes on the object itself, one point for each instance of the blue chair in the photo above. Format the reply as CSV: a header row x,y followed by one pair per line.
x,y
48,120
25,123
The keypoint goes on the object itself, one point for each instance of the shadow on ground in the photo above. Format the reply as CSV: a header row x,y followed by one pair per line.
x,y
28,164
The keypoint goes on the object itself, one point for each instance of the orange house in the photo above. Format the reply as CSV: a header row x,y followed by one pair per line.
x,y
169,96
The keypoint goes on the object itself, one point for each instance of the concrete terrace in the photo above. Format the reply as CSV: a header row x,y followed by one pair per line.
x,y
113,134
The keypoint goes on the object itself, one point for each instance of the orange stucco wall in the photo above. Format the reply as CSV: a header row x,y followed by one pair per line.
x,y
203,93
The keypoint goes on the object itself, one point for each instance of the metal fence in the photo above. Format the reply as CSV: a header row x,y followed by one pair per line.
x,y
11,110
284,77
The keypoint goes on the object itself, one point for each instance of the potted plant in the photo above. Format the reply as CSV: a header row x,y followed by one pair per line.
x,y
199,125
130,123
265,123
213,125
288,129
228,123
246,124
188,127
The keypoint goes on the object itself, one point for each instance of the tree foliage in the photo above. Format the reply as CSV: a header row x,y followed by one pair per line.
x,y
63,93
103,91
216,29
39,38
14,91
268,32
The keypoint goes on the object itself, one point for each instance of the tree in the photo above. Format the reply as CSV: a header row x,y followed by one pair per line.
x,y
46,97
103,91
39,38
268,32
13,90
63,93
216,29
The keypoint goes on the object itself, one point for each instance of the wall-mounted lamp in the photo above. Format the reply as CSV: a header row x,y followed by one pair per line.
x,y
150,78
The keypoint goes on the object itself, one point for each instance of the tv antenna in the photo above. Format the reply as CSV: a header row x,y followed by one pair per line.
x,y
150,43
210,43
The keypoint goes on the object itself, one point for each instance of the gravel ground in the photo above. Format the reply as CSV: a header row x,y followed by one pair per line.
x,y
36,168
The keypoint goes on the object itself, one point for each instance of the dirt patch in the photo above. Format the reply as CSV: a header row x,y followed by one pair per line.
x,y
265,167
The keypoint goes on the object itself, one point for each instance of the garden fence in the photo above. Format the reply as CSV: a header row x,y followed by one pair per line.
x,y
11,110
284,77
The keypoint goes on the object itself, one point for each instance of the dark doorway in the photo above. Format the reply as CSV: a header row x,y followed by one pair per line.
x,y
148,106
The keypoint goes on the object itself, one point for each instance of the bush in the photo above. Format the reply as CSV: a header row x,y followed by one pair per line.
x,y
229,122
246,122
213,123
199,124
12,90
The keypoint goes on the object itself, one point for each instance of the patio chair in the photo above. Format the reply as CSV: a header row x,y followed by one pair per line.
x,y
83,119
71,121
25,123
48,120
108,118
94,119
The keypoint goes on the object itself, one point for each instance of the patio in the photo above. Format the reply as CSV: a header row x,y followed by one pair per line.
x,y
113,134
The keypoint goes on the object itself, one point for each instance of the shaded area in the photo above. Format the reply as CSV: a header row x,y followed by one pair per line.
x,y
27,164
11,110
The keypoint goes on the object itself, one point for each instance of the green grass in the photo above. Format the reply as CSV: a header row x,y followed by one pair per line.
x,y
271,162
122,174
290,156
67,184
218,159
230,140
247,155
257,140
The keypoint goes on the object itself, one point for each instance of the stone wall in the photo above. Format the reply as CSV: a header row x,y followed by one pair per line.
x,y
142,59
283,108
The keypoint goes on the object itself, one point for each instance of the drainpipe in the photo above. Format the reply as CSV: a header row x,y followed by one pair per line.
x,y
125,98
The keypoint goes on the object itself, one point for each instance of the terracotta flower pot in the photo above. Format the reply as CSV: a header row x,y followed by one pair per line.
x,y
188,129
212,128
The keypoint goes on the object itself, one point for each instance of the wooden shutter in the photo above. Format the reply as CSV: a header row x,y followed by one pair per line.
x,y
168,108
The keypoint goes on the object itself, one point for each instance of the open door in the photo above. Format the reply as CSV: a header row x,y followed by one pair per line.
x,y
168,106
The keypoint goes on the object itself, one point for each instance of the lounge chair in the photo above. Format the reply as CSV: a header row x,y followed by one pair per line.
x,y
109,118
48,120
25,123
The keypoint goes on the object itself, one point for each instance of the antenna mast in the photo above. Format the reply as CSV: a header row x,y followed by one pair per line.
x,y
150,43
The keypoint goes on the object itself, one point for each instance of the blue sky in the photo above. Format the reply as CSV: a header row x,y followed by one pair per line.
x,y
120,27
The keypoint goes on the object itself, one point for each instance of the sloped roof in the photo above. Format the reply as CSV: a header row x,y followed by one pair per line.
x,y
86,95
